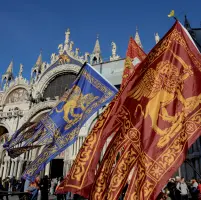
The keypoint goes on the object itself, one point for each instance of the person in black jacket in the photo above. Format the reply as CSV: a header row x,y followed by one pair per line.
x,y
1,189
44,188
171,186
60,196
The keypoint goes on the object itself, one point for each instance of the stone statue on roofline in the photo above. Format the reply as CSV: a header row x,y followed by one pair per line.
x,y
67,38
60,47
77,52
157,38
86,56
53,58
21,70
114,51
71,45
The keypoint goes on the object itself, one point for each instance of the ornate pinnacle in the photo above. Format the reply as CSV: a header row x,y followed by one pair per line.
x,y
67,36
97,46
137,38
21,70
39,60
10,68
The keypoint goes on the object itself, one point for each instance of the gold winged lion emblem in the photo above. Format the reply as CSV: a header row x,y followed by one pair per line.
x,y
161,86
64,59
76,101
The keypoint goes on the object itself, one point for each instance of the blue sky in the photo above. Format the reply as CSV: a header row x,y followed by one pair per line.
x,y
27,26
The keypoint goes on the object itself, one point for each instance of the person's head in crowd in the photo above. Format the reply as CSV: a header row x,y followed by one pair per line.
x,y
37,180
182,180
172,180
178,178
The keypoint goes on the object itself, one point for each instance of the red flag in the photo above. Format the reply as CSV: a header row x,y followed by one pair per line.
x,y
160,115
134,56
82,173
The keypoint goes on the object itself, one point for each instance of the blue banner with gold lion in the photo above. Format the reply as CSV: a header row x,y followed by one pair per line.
x,y
60,128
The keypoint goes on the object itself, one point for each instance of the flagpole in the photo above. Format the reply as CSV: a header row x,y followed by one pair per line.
x,y
193,168
81,69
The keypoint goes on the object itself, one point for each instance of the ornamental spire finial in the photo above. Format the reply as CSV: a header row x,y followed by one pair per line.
x,y
39,60
21,70
137,38
10,67
97,46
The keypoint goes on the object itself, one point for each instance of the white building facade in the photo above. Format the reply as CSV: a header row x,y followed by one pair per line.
x,y
22,100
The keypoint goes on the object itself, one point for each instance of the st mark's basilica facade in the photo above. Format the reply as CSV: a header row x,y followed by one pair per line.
x,y
22,100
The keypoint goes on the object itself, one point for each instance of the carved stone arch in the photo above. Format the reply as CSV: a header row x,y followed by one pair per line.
x,y
41,107
11,90
50,75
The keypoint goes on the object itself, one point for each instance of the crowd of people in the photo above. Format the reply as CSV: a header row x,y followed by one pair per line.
x,y
179,189
39,189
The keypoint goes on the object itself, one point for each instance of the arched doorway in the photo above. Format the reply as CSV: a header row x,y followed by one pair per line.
x,y
56,168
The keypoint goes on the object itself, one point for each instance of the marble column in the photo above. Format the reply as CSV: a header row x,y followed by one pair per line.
x,y
4,170
19,170
74,148
12,167
78,147
47,170
1,170
65,168
34,154
30,155
8,168
15,169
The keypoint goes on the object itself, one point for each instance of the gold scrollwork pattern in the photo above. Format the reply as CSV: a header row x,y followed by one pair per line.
x,y
44,156
104,171
155,170
85,154
121,173
134,190
149,169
